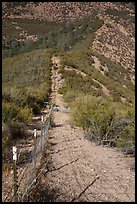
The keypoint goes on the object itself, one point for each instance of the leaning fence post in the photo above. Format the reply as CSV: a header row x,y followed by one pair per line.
x,y
15,197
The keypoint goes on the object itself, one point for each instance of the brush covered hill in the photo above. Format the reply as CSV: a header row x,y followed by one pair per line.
x,y
110,26
93,38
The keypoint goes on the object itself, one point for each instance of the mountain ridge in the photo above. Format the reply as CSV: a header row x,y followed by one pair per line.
x,y
118,22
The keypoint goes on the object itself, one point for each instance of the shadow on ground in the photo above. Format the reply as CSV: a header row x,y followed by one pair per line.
x,y
43,194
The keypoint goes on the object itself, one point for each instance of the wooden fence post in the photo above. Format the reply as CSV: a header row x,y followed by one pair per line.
x,y
42,132
15,197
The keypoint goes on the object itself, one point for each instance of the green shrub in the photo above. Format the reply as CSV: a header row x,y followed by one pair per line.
x,y
36,108
104,119
12,112
11,130
25,115
127,139
17,130
9,112
70,96
94,113
62,90
13,127
5,136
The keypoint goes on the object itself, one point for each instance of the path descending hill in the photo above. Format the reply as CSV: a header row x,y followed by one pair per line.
x,y
78,170
86,49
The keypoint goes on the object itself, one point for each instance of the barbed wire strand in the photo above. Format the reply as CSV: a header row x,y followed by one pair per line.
x,y
35,179
13,185
19,183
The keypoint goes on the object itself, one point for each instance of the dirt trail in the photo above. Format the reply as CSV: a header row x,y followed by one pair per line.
x,y
76,162
76,70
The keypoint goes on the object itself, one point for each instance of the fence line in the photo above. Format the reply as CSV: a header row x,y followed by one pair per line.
x,y
28,165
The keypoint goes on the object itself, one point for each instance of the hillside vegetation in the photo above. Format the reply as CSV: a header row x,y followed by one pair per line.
x,y
111,79
95,42
26,85
96,100
62,38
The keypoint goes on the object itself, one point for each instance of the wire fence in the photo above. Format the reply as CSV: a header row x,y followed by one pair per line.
x,y
28,161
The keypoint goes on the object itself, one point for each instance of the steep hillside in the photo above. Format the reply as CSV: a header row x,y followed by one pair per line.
x,y
25,74
99,72
96,39
79,56
113,26
61,11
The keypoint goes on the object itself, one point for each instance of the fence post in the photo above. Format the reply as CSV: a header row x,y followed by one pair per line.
x,y
35,143
42,133
15,197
